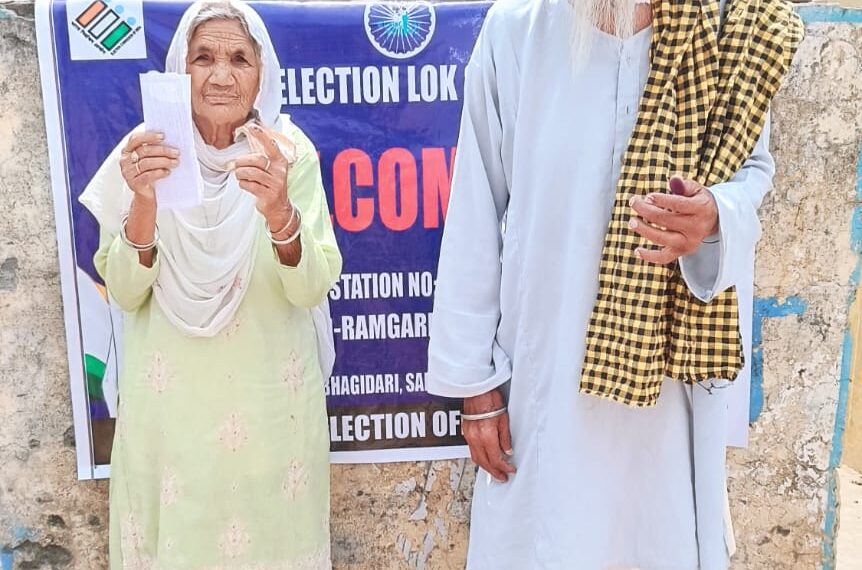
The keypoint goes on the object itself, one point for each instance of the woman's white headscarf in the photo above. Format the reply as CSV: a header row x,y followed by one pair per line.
x,y
206,253
268,102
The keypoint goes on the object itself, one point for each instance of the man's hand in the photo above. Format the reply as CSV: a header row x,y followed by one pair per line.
x,y
489,440
677,222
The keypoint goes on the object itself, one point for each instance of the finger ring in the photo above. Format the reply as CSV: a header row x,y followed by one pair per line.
x,y
137,167
134,156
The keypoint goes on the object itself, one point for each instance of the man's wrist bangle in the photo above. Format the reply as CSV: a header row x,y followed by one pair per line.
x,y
484,416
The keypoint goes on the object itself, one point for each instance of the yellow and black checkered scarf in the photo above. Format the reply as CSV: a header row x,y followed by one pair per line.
x,y
702,111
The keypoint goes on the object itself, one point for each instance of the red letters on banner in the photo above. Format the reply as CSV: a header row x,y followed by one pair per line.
x,y
391,188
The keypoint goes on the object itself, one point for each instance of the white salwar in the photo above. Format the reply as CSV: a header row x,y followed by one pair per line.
x,y
599,485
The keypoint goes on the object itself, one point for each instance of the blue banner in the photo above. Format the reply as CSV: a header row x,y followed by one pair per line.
x,y
378,88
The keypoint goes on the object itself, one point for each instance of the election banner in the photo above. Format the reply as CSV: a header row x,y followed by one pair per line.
x,y
378,88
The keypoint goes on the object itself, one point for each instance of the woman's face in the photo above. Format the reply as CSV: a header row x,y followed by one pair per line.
x,y
225,73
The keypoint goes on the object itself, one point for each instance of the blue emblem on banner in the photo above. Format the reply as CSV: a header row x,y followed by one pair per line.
x,y
400,29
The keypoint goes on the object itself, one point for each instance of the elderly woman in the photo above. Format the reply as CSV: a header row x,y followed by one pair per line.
x,y
221,452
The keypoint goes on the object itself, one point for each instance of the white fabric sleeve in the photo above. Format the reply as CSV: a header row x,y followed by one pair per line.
x,y
464,358
716,265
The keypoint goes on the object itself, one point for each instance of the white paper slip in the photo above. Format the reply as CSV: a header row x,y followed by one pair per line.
x,y
167,103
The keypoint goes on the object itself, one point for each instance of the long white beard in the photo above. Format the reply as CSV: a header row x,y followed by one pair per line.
x,y
597,14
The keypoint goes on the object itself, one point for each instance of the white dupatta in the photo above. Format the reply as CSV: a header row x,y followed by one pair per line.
x,y
206,253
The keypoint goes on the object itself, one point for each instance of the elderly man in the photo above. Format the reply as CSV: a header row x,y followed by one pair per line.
x,y
612,157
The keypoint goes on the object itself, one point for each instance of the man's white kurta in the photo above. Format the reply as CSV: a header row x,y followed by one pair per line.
x,y
599,485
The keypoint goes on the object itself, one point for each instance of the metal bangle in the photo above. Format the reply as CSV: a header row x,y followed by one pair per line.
x,y
138,247
292,238
485,416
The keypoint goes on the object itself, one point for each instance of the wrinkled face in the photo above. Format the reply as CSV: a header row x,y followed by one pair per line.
x,y
225,73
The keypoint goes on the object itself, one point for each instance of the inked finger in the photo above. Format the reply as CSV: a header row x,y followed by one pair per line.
x,y
680,186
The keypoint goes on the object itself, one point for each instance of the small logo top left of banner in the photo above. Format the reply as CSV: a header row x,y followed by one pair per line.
x,y
106,29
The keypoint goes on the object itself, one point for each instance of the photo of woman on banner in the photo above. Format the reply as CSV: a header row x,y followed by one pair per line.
x,y
220,458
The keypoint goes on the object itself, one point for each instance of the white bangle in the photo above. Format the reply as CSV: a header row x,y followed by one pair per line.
x,y
291,238
287,225
138,247
485,416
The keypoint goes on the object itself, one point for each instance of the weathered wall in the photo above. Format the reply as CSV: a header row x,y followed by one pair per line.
x,y
48,520
804,279
416,515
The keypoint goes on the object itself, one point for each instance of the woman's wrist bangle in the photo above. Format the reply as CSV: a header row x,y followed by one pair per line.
x,y
287,225
292,237
136,246
484,416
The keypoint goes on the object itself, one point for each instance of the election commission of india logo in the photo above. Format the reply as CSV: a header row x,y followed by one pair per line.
x,y
400,29
105,25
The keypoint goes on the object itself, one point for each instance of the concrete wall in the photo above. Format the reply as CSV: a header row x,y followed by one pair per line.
x,y
416,515
806,273
48,520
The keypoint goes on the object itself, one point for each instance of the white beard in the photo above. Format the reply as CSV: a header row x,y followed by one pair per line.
x,y
589,15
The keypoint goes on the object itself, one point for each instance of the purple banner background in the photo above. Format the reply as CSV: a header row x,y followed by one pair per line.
x,y
100,103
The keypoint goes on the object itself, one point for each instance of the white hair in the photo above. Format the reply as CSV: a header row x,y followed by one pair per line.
x,y
222,10
589,15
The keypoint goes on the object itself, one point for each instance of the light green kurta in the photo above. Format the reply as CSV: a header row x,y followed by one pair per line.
x,y
220,459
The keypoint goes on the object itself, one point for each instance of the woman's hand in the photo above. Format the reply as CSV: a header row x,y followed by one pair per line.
x,y
489,440
144,160
265,177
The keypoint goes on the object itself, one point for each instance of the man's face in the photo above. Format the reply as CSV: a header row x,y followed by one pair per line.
x,y
225,73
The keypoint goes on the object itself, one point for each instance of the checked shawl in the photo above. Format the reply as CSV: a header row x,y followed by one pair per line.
x,y
702,111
